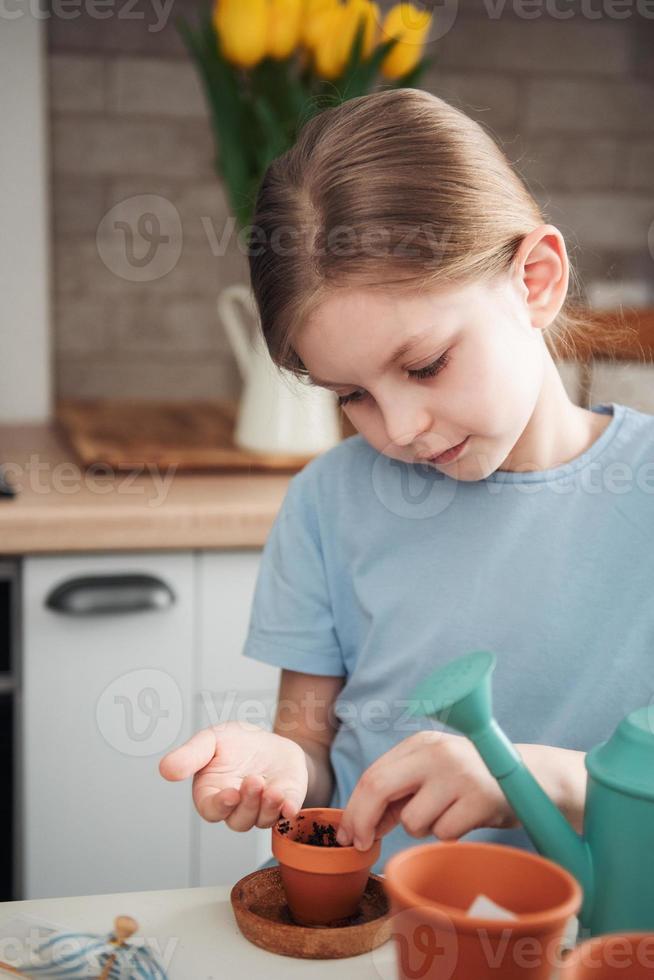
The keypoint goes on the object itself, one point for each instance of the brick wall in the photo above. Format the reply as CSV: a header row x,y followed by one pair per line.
x,y
572,101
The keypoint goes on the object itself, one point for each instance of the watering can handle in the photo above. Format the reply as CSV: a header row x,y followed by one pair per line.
x,y
235,328
459,694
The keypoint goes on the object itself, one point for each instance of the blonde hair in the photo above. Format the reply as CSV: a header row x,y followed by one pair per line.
x,y
424,197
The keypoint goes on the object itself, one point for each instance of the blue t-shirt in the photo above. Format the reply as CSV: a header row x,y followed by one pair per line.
x,y
381,571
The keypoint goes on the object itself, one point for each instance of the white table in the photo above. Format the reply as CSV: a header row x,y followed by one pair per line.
x,y
197,935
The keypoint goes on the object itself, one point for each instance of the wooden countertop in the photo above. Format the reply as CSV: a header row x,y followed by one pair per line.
x,y
61,507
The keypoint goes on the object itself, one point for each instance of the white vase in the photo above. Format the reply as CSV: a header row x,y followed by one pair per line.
x,y
277,413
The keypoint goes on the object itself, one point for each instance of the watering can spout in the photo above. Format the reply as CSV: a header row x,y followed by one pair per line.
x,y
459,695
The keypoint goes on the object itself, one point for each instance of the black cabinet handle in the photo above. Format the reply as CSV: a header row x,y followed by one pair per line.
x,y
98,595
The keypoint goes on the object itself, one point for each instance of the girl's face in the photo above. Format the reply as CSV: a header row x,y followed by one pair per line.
x,y
473,369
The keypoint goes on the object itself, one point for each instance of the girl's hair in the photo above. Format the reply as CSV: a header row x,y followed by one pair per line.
x,y
395,190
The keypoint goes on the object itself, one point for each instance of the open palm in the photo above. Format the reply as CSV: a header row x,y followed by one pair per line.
x,y
242,774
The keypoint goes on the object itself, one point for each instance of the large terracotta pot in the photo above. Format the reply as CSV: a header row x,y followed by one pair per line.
x,y
431,886
322,884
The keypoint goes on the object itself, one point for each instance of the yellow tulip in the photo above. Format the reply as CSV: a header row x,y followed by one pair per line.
x,y
284,27
369,12
243,29
329,60
410,25
337,29
313,24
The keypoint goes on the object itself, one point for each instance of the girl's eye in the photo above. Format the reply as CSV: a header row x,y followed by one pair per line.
x,y
429,371
354,396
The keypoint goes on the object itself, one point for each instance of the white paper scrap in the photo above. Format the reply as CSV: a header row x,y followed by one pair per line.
x,y
484,907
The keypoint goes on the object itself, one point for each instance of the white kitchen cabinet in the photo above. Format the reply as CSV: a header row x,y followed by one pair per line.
x,y
105,694
230,687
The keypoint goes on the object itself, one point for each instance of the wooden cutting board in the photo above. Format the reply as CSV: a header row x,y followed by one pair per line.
x,y
130,434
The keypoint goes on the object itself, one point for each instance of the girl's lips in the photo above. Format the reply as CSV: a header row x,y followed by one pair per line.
x,y
449,454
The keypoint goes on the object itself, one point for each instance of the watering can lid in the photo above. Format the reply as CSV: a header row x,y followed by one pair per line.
x,y
453,682
626,761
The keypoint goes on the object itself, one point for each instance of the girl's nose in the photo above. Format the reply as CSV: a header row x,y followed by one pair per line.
x,y
405,422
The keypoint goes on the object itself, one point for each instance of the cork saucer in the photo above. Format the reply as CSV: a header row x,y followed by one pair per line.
x,y
262,915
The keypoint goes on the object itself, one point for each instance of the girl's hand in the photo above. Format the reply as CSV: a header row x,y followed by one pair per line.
x,y
242,774
435,782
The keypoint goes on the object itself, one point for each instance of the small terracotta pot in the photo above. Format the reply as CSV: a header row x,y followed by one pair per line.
x,y
627,954
431,886
322,884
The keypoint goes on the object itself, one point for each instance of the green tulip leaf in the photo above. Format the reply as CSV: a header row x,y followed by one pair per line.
x,y
363,76
412,77
354,58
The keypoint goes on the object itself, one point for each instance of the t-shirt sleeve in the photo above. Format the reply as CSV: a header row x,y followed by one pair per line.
x,y
291,620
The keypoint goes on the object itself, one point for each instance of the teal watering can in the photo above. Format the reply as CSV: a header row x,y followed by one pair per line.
x,y
614,859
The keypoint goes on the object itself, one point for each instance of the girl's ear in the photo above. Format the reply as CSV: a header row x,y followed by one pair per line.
x,y
542,268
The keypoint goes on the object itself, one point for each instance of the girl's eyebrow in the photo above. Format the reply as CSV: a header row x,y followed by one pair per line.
x,y
401,351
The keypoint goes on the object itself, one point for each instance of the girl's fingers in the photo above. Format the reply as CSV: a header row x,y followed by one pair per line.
x,y
190,757
391,817
271,804
214,806
368,804
471,811
379,786
244,816
428,805
294,797
292,789
455,821
292,804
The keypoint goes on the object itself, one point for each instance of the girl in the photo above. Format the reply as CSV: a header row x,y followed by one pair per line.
x,y
397,259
